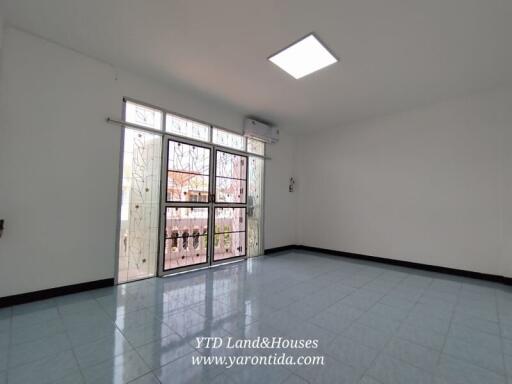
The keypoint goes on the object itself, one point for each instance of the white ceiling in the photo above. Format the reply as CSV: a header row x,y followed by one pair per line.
x,y
394,54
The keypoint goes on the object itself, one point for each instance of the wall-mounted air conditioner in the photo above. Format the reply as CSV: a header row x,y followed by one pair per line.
x,y
261,131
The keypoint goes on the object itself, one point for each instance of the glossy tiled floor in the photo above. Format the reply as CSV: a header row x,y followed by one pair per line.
x,y
375,324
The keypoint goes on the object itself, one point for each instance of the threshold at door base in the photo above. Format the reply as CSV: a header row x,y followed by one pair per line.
x,y
205,267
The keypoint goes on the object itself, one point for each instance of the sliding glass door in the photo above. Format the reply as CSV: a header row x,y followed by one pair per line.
x,y
230,208
205,205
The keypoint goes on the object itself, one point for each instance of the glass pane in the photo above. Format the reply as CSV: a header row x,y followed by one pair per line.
x,y
255,207
188,128
188,170
255,146
230,219
230,191
232,166
186,236
142,115
228,139
230,182
186,187
138,242
229,239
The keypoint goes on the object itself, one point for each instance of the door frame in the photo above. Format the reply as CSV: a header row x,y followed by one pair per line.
x,y
211,205
216,204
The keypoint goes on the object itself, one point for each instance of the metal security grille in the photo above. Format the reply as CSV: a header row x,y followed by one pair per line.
x,y
205,208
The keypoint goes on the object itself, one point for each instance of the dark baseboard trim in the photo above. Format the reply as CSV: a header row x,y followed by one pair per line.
x,y
81,287
280,249
401,263
54,292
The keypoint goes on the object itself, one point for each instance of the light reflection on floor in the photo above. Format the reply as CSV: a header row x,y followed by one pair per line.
x,y
375,324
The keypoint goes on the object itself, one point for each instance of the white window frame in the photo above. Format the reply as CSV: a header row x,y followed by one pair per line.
x,y
163,133
211,126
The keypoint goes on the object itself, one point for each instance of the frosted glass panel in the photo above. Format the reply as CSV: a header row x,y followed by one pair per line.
x,y
186,127
255,207
138,243
228,139
255,146
142,115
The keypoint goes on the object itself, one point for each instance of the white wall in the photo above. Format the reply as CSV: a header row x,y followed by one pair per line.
x,y
280,204
1,28
506,191
59,161
432,185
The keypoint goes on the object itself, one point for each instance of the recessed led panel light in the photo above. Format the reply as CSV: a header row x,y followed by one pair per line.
x,y
306,56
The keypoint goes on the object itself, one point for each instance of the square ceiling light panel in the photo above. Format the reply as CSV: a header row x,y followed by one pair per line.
x,y
304,57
